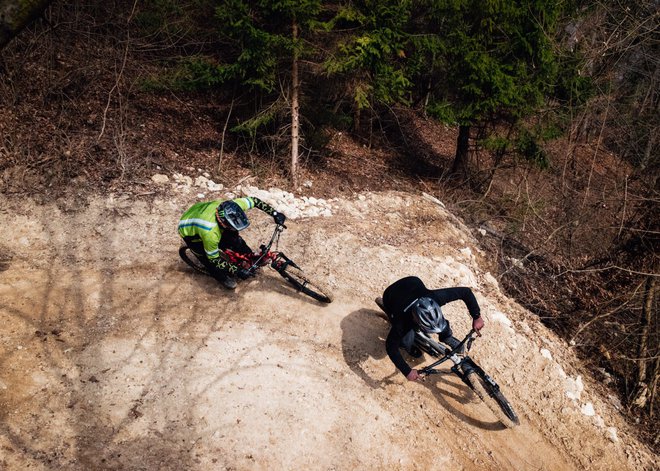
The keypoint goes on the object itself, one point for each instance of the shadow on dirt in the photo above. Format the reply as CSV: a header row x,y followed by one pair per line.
x,y
463,396
363,339
268,280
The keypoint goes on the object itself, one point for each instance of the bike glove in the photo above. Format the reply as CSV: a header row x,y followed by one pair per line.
x,y
279,218
243,274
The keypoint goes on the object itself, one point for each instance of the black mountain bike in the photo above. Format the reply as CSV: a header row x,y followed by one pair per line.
x,y
467,370
277,260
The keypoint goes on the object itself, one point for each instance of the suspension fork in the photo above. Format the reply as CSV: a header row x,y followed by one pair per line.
x,y
281,262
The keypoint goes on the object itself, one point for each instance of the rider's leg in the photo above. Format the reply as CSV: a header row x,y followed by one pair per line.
x,y
408,343
197,248
447,337
196,245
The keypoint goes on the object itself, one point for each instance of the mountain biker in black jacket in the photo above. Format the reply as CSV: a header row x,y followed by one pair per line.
x,y
410,305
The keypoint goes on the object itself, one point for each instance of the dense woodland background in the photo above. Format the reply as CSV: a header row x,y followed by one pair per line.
x,y
536,120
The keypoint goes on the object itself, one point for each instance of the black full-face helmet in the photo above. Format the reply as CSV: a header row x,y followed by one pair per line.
x,y
428,316
231,216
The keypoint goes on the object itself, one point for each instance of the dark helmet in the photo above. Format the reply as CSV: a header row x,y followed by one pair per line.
x,y
231,216
428,316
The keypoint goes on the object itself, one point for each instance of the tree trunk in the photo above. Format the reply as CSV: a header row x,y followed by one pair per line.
x,y
294,108
16,15
645,322
460,165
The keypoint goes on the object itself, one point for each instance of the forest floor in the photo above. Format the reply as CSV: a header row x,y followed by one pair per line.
x,y
115,355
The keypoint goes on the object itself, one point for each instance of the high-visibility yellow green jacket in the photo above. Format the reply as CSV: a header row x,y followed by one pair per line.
x,y
199,222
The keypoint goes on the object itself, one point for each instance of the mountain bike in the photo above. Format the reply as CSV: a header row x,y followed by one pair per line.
x,y
253,262
467,370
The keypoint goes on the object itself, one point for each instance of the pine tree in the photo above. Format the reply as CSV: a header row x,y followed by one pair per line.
x,y
484,60
268,39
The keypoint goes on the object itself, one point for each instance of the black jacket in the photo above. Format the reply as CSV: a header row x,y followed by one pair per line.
x,y
400,295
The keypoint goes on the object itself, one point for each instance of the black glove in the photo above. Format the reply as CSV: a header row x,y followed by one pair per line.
x,y
243,274
279,218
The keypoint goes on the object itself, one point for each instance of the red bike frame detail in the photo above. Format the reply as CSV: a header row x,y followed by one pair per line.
x,y
248,261
254,261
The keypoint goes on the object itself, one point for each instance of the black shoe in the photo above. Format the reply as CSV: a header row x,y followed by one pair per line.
x,y
415,352
229,283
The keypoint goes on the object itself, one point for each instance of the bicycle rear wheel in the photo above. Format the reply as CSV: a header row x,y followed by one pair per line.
x,y
302,283
494,399
191,259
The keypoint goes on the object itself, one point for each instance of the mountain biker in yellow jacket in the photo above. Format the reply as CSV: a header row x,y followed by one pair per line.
x,y
211,227
410,305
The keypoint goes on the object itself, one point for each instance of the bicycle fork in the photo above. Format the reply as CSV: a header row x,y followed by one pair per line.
x,y
280,265
472,366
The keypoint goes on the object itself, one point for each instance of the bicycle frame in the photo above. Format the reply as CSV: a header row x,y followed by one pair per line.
x,y
450,354
453,355
252,262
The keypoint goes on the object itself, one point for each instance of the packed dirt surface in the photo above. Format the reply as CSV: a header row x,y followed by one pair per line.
x,y
115,355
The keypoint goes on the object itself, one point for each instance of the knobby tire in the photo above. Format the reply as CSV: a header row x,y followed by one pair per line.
x,y
191,259
302,283
494,399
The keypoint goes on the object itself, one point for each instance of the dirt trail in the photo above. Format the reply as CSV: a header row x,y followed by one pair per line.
x,y
113,355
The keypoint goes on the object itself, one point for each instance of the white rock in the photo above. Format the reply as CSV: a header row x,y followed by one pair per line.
x,y
574,388
490,279
598,421
611,434
500,317
201,181
588,409
160,178
546,353
201,195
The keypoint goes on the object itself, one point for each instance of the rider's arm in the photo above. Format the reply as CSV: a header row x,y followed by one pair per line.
x,y
253,202
392,345
250,202
447,295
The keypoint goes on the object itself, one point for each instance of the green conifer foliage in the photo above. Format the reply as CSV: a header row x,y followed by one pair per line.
x,y
485,60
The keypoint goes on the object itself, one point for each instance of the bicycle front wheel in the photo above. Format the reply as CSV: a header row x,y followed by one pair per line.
x,y
302,283
494,399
